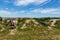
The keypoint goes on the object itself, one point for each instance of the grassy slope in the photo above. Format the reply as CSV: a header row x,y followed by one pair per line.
x,y
57,25
35,33
32,34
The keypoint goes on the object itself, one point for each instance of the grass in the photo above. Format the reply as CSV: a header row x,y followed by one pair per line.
x,y
34,33
31,34
57,25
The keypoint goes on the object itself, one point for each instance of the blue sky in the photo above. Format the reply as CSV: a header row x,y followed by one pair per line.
x,y
30,8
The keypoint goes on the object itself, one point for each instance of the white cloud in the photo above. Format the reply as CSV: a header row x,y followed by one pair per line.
x,y
51,10
48,10
26,2
22,11
5,13
30,13
40,11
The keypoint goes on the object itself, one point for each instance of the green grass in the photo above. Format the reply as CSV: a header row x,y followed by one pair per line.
x,y
34,33
31,34
57,25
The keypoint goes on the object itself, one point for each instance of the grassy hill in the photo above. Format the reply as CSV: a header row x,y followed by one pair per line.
x,y
31,29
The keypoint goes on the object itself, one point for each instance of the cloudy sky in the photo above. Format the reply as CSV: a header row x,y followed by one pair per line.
x,y
30,8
